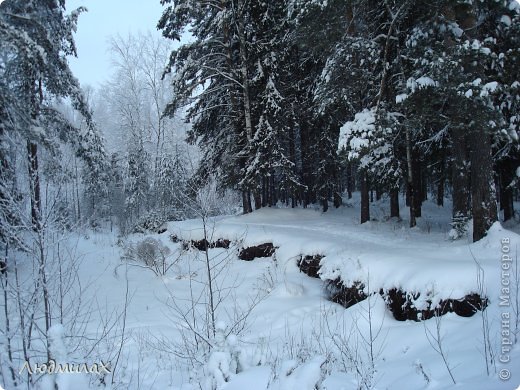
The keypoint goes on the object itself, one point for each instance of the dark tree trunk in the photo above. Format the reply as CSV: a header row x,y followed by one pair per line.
x,y
292,156
306,163
410,177
36,92
264,192
258,200
440,192
442,179
417,187
460,174
378,194
325,204
506,190
413,205
350,180
408,194
246,202
337,199
365,199
424,186
269,191
34,182
484,205
272,187
394,203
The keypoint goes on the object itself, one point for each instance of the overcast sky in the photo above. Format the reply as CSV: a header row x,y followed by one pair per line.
x,y
107,18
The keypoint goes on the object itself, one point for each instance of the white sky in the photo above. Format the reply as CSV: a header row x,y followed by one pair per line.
x,y
106,18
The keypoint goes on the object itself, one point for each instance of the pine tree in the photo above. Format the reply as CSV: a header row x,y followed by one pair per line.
x,y
212,73
271,165
36,39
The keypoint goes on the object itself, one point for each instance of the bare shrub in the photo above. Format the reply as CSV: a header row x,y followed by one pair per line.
x,y
150,253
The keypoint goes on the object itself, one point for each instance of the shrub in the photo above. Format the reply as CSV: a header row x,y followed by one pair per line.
x,y
151,253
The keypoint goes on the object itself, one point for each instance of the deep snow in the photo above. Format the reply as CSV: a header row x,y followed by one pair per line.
x,y
294,338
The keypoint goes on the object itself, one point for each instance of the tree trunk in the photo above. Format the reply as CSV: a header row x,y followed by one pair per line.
x,y
417,186
291,192
378,194
34,183
424,185
506,190
258,199
460,174
245,77
273,198
365,201
394,203
408,195
337,199
484,205
442,179
36,92
440,192
349,180
264,191
410,178
306,164
246,202
325,204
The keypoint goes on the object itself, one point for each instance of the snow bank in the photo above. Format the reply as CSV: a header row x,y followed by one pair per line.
x,y
438,268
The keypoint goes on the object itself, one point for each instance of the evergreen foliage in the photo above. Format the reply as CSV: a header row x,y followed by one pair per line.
x,y
420,94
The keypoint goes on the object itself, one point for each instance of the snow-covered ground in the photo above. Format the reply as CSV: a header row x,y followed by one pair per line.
x,y
275,325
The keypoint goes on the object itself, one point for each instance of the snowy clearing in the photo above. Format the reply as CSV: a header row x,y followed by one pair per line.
x,y
278,329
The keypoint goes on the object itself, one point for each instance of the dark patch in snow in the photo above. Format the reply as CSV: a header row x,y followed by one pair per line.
x,y
400,303
344,295
262,250
203,245
469,305
310,265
